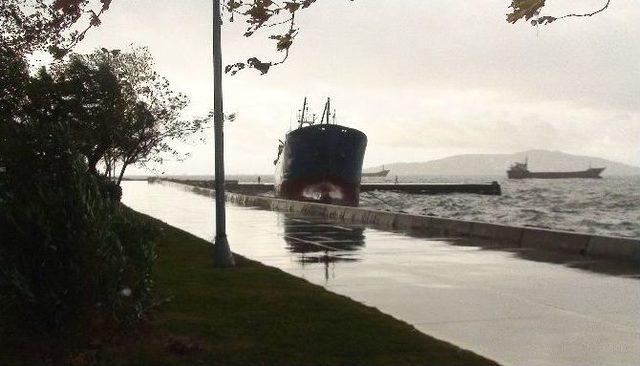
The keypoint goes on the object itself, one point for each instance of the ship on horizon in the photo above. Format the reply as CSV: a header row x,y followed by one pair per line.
x,y
382,173
320,162
521,171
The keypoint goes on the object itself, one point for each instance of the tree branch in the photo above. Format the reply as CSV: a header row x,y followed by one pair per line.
x,y
588,14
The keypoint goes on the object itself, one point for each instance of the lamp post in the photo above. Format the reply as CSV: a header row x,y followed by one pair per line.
x,y
222,256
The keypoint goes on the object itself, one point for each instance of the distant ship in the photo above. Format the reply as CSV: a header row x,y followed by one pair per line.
x,y
320,162
521,171
382,173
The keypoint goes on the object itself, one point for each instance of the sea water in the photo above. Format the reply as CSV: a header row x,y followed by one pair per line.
x,y
607,206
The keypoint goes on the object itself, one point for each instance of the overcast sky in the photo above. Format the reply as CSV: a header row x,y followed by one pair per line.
x,y
423,79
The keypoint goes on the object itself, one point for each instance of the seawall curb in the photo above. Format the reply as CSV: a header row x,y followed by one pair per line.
x,y
610,247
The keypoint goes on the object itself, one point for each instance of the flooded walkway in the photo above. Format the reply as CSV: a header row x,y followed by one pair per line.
x,y
516,307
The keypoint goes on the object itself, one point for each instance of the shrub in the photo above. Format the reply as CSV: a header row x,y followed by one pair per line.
x,y
69,252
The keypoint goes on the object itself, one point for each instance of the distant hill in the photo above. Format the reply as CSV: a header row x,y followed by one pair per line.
x,y
497,164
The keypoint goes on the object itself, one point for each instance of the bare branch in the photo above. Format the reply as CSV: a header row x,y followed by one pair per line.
x,y
588,14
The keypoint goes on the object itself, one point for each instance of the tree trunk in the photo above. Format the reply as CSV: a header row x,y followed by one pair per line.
x,y
93,160
124,166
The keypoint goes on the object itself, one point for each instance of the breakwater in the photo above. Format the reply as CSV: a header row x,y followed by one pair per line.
x,y
234,186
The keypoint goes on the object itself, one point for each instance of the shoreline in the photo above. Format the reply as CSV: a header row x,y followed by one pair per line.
x,y
600,207
583,244
246,315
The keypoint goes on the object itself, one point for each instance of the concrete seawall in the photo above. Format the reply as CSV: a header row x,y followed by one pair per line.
x,y
616,248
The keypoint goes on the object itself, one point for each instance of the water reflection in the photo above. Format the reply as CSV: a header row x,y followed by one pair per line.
x,y
522,304
311,240
326,243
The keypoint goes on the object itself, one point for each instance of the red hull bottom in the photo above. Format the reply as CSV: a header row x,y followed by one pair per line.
x,y
330,191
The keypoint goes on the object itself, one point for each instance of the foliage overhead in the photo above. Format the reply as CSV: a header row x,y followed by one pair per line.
x,y
30,25
527,9
260,14
36,25
264,14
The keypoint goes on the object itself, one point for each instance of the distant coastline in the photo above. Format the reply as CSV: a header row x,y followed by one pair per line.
x,y
467,165
497,164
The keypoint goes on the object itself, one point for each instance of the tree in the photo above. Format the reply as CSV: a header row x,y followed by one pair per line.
x,y
152,120
66,252
122,111
96,105
119,110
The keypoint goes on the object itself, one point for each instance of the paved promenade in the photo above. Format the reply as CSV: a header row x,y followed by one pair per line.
x,y
518,307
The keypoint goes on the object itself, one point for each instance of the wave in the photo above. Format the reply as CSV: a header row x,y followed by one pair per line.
x,y
608,206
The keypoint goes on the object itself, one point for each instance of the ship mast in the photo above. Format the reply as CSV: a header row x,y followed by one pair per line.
x,y
304,107
326,111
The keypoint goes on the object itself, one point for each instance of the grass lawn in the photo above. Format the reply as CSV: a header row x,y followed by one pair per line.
x,y
257,315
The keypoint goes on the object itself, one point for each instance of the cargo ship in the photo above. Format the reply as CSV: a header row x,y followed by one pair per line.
x,y
320,162
521,171
382,173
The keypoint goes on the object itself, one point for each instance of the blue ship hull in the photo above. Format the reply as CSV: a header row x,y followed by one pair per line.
x,y
321,163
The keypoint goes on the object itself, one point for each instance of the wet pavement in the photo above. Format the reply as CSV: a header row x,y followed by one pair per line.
x,y
518,307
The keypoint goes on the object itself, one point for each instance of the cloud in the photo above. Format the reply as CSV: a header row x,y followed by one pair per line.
x,y
423,79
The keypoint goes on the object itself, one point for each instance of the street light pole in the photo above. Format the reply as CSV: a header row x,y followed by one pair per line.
x,y
222,256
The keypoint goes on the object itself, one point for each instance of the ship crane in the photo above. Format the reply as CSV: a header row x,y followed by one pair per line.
x,y
305,109
326,118
327,112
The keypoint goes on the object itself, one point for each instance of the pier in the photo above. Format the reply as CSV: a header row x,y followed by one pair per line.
x,y
492,188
